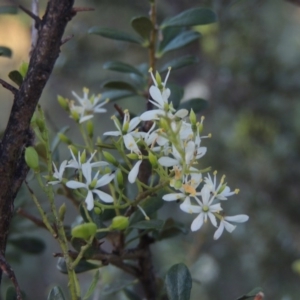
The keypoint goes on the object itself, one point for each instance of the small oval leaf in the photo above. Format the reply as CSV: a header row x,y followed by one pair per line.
x,y
92,287
148,225
30,245
115,34
121,67
143,26
119,85
114,95
4,51
56,293
83,266
192,17
197,104
180,62
178,282
16,77
12,10
181,40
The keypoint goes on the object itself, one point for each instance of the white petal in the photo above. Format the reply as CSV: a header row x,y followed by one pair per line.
x,y
182,113
75,184
219,231
151,115
197,223
212,218
104,196
237,218
134,123
89,200
131,144
134,172
113,133
156,95
173,196
87,172
229,227
104,180
85,118
167,161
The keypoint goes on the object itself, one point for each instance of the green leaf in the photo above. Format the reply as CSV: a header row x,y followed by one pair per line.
x,y
119,85
180,62
23,69
56,293
16,77
192,17
197,104
150,206
114,95
176,94
115,34
181,40
131,295
167,35
56,141
178,282
4,51
251,294
12,295
30,245
172,228
143,26
8,10
83,266
121,67
151,224
93,285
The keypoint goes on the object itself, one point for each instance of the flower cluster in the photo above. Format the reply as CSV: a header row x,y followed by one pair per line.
x,y
175,138
90,185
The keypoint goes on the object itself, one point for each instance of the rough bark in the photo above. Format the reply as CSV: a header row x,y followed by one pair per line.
x,y
17,135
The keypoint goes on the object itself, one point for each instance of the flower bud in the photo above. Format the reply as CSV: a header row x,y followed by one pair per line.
x,y
23,69
62,211
132,156
75,115
110,158
84,231
193,118
41,150
97,210
62,137
73,149
83,157
119,223
63,102
153,159
120,179
90,128
32,158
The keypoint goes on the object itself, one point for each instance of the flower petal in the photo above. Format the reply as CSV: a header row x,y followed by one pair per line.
x,y
134,172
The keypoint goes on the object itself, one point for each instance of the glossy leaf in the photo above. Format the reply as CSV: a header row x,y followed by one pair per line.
x,y
121,67
181,40
12,295
143,26
176,94
172,228
131,295
12,10
180,62
16,77
4,51
56,293
114,95
151,224
30,245
167,35
178,282
115,34
92,287
150,206
192,17
251,294
119,85
197,104
83,266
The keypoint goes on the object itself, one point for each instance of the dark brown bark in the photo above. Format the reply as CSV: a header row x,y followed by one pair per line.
x,y
17,135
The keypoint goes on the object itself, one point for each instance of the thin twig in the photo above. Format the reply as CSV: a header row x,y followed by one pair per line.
x,y
6,268
32,15
119,110
32,218
34,29
65,40
8,86
81,9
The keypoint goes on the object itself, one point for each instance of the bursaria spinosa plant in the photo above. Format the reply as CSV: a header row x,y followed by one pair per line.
x,y
119,181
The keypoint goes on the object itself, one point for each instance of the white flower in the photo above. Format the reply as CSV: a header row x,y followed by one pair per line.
x,y
89,106
58,174
127,127
205,209
224,223
92,185
134,172
222,191
77,163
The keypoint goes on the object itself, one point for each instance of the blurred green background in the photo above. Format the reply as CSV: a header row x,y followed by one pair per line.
x,y
249,72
